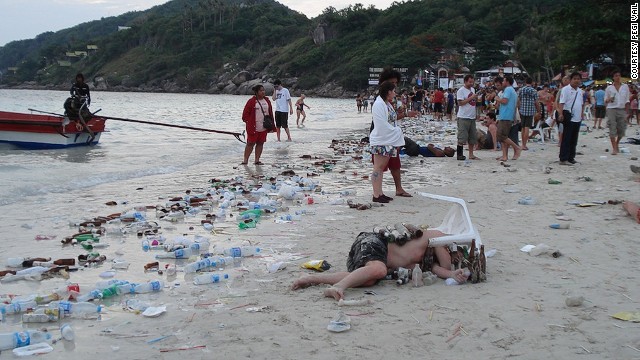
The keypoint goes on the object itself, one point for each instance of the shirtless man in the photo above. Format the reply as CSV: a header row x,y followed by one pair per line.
x,y
633,209
370,259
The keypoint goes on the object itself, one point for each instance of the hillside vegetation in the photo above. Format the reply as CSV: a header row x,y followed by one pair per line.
x,y
199,45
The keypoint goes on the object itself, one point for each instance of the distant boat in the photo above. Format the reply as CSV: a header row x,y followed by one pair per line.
x,y
33,131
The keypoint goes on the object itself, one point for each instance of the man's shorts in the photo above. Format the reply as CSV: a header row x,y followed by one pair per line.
x,y
601,111
449,109
504,127
437,107
527,121
257,138
617,122
367,247
282,119
467,132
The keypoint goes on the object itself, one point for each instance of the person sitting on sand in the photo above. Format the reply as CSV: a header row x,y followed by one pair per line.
x,y
371,258
486,139
633,209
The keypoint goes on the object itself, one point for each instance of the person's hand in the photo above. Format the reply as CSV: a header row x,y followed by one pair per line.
x,y
290,111
459,276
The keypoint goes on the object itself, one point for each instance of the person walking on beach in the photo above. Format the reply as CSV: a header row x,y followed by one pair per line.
x,y
365,103
300,110
601,108
385,138
529,108
255,110
359,103
571,101
466,115
284,108
506,116
438,99
617,99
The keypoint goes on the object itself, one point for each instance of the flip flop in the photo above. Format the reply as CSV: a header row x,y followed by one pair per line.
x,y
404,194
243,163
259,163
474,158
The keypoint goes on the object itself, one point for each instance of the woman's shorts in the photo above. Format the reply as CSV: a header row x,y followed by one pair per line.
x,y
384,150
367,247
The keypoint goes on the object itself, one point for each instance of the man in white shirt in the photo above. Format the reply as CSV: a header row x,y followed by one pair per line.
x,y
571,99
467,97
284,108
617,100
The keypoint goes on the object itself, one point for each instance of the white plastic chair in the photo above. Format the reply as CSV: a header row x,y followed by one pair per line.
x,y
457,224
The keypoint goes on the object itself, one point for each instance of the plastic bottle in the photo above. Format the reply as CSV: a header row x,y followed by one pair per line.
x,y
289,217
416,276
305,212
17,307
122,265
93,294
43,315
177,254
19,339
201,246
146,246
58,294
559,226
349,192
101,285
77,308
242,251
33,270
67,332
151,286
210,278
207,262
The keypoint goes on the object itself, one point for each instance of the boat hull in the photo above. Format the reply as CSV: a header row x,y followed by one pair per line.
x,y
34,131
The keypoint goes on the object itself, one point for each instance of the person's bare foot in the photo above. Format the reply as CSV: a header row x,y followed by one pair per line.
x,y
517,154
302,283
334,292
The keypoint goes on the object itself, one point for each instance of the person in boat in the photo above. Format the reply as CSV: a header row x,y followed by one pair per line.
x,y
80,89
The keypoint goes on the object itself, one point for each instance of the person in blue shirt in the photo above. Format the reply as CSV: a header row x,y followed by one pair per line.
x,y
601,108
506,117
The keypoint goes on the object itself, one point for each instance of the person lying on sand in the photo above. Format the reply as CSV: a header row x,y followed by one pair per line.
x,y
371,258
633,209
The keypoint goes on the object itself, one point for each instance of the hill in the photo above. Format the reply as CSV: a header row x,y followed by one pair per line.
x,y
220,45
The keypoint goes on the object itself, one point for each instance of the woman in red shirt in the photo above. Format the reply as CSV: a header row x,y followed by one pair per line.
x,y
253,116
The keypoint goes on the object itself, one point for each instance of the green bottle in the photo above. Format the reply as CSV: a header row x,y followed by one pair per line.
x,y
110,291
85,237
554,182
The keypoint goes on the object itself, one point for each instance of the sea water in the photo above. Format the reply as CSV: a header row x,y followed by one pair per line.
x,y
41,191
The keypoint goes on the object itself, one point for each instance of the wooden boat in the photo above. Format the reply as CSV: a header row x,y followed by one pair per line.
x,y
34,131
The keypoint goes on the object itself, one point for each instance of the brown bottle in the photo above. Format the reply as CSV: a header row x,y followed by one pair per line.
x,y
65,262
29,262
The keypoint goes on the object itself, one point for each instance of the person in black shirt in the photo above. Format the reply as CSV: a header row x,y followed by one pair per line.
x,y
81,89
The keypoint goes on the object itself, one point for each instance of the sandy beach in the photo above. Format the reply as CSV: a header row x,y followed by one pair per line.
x,y
519,312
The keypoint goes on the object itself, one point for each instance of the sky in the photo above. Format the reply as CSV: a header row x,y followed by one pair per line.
x,y
25,19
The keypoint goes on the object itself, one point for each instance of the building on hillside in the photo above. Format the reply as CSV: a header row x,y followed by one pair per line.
x,y
508,47
122,28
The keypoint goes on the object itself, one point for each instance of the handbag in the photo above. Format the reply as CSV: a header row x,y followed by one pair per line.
x,y
566,114
268,122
